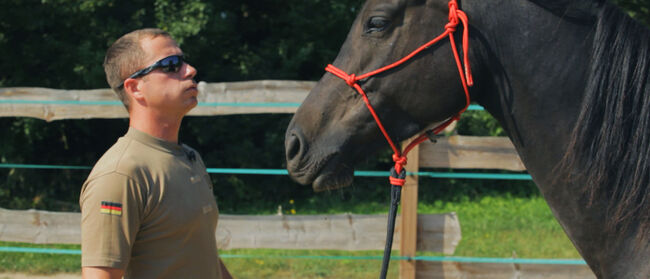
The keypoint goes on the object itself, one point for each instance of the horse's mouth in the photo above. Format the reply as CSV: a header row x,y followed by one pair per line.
x,y
326,174
330,179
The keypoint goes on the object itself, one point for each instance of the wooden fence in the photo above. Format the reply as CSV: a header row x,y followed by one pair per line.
x,y
414,231
247,97
439,233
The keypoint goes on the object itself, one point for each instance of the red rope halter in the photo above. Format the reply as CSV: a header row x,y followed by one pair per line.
x,y
456,16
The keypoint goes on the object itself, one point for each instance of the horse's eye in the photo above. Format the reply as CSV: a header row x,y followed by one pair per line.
x,y
376,24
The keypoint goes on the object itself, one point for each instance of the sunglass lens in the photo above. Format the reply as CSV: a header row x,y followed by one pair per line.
x,y
171,64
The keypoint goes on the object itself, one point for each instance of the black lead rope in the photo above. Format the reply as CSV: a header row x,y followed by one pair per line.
x,y
395,195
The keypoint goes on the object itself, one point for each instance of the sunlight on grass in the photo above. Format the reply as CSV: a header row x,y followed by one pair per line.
x,y
503,226
304,268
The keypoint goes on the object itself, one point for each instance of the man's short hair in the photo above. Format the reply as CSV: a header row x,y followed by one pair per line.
x,y
126,56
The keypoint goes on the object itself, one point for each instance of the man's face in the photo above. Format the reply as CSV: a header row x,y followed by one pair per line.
x,y
167,93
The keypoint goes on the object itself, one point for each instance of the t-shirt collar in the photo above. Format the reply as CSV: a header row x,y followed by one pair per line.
x,y
154,142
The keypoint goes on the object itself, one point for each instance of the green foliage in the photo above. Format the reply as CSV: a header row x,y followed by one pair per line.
x,y
479,123
69,142
638,9
275,39
181,20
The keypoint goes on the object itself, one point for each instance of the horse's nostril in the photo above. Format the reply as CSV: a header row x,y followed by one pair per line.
x,y
293,146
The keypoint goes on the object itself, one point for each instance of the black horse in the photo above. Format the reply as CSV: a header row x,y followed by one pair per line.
x,y
567,79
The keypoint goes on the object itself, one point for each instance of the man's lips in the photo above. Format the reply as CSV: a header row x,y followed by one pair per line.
x,y
194,89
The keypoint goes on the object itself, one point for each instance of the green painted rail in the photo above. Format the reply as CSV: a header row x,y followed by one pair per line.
x,y
450,175
317,257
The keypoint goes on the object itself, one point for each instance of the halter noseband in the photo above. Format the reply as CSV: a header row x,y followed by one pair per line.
x,y
456,16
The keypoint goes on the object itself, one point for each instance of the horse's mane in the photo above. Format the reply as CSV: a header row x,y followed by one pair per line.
x,y
581,11
609,149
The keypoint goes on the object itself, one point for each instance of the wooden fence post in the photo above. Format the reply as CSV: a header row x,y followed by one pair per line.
x,y
409,216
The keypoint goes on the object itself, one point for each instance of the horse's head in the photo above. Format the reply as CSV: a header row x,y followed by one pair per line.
x,y
333,128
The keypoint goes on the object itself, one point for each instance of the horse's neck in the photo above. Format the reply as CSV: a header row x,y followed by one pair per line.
x,y
538,68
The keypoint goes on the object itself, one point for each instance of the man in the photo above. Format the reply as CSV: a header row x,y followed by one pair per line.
x,y
147,207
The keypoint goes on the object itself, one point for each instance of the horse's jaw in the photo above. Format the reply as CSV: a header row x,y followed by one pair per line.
x,y
326,173
323,165
336,177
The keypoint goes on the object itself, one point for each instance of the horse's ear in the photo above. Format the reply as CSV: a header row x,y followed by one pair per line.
x,y
583,10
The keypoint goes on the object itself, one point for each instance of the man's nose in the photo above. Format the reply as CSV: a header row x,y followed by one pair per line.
x,y
190,71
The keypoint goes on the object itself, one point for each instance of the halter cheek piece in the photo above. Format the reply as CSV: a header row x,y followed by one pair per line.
x,y
398,174
456,16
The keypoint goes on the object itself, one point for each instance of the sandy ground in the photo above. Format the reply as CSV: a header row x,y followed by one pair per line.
x,y
31,276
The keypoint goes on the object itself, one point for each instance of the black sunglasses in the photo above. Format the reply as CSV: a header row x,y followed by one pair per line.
x,y
168,64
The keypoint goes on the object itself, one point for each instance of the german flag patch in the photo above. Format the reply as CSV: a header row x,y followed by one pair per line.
x,y
111,208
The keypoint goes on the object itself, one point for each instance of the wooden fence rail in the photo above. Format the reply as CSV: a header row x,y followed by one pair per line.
x,y
438,232
470,152
447,270
246,97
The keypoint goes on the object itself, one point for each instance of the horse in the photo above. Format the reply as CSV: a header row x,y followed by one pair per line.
x,y
566,79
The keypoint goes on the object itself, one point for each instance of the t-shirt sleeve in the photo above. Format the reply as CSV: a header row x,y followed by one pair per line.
x,y
111,211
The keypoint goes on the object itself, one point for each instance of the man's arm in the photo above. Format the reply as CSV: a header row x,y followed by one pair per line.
x,y
110,220
101,272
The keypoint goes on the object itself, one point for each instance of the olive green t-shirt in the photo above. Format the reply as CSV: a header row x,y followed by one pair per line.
x,y
148,207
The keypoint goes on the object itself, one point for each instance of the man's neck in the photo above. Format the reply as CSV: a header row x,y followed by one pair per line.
x,y
160,126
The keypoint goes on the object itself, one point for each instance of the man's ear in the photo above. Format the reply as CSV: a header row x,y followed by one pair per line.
x,y
132,88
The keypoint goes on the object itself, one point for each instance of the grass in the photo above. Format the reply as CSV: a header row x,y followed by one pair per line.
x,y
39,263
506,226
266,266
492,226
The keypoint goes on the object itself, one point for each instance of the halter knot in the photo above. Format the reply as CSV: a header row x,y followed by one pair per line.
x,y
453,7
399,159
451,26
453,16
400,162
351,80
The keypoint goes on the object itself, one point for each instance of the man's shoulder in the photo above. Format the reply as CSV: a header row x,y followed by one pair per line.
x,y
119,165
122,158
